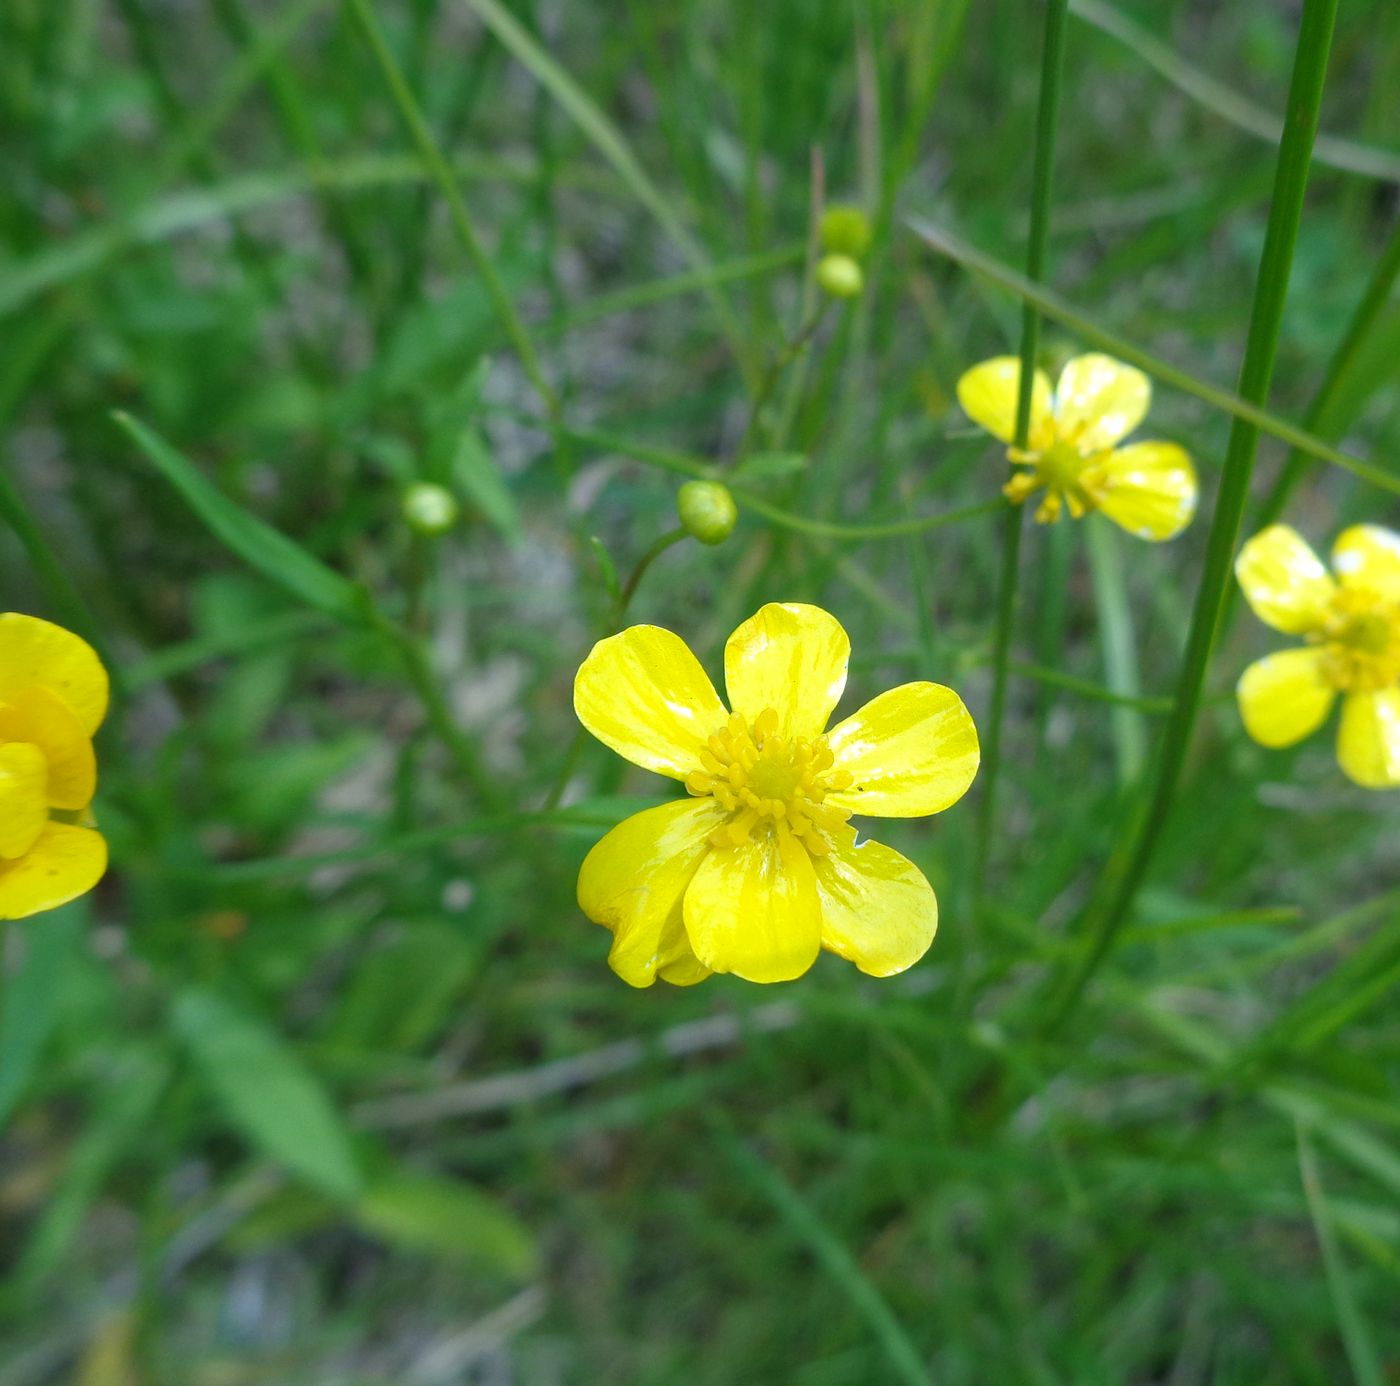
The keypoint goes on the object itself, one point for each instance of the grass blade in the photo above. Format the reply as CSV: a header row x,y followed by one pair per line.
x,y
1356,1338
1256,374
1061,311
608,140
259,545
835,1260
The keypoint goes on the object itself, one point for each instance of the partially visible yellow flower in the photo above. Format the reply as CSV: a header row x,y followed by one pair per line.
x,y
1072,449
53,696
759,869
1352,626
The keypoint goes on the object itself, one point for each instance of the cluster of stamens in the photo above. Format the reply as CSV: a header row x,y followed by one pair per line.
x,y
1063,469
1362,639
771,783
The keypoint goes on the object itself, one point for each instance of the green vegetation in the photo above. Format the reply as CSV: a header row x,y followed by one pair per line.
x,y
329,1083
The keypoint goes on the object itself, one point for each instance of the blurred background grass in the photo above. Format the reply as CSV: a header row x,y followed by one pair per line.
x,y
329,1082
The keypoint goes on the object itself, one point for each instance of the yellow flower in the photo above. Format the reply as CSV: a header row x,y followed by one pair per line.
x,y
1352,626
759,870
1147,488
53,696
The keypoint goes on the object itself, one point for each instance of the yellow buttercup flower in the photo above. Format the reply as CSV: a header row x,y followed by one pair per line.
x,y
759,869
53,696
1351,622
1072,447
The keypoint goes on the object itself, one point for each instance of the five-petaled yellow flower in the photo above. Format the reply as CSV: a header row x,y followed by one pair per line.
x,y
1352,625
53,696
759,869
1071,450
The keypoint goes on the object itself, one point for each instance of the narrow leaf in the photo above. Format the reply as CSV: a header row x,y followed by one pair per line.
x,y
267,1093
259,545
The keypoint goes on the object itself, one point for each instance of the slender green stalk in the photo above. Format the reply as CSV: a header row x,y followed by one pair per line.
x,y
459,745
1363,321
1256,373
1087,330
624,601
1047,118
435,161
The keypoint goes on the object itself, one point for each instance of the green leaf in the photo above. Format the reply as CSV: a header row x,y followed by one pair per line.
x,y
259,545
267,1093
30,1004
476,475
448,1218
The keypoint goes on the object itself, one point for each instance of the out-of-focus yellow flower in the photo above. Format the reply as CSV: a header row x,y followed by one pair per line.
x,y
759,869
1072,449
1351,622
53,696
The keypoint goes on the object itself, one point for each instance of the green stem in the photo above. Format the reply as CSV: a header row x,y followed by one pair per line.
x,y
463,750
629,588
624,600
437,165
1363,320
1047,117
1256,373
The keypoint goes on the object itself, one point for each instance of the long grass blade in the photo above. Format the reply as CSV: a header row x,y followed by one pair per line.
x,y
1256,374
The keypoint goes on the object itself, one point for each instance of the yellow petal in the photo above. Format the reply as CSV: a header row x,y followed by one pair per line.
x,y
1285,696
1284,581
1148,488
791,658
988,393
1098,401
877,908
644,694
45,720
64,863
1368,556
633,880
24,804
753,909
909,752
684,972
1368,742
37,652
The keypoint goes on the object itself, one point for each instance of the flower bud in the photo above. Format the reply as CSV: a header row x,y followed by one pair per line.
x,y
844,231
429,509
840,276
707,511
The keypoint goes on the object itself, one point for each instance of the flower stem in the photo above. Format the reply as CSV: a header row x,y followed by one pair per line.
x,y
1256,373
1047,117
629,590
1363,320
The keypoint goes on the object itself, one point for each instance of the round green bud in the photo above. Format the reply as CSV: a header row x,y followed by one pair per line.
x,y
430,509
844,231
840,276
707,511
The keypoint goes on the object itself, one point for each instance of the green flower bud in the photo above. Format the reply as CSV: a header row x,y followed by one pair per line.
x,y
707,511
840,276
844,231
430,509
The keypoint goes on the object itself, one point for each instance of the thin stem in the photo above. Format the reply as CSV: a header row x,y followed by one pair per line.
x,y
624,600
1059,310
1363,320
436,163
657,548
766,387
419,668
1256,374
1047,117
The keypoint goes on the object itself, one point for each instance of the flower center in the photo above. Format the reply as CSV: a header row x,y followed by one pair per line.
x,y
1362,639
1061,468
771,783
